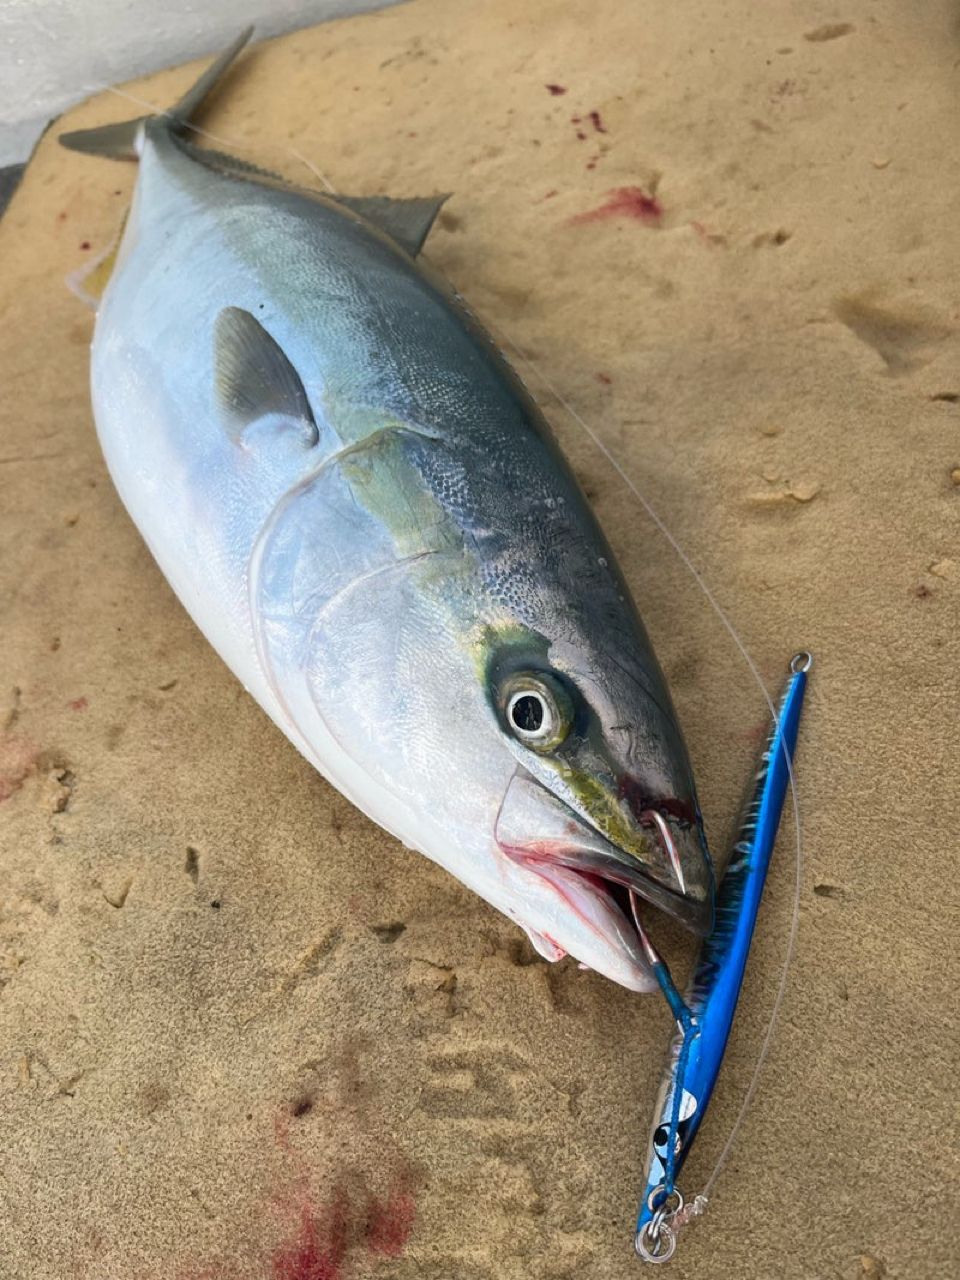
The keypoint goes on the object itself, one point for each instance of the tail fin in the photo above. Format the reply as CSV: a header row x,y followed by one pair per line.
x,y
122,141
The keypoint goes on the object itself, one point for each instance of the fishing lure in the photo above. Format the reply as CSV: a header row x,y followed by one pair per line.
x,y
705,1013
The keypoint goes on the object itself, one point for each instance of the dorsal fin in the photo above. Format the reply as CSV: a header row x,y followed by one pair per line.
x,y
254,378
406,221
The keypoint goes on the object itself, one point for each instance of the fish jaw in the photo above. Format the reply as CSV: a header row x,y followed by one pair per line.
x,y
657,849
537,831
567,913
568,894
588,923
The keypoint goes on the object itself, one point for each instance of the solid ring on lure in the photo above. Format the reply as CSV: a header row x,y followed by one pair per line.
x,y
705,1012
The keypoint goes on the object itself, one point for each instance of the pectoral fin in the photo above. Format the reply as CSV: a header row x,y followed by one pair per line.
x,y
254,377
406,221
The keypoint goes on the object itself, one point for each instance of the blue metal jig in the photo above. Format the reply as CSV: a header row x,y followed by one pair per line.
x,y
705,1014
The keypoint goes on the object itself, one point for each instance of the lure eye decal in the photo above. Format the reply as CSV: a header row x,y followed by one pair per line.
x,y
537,709
688,1109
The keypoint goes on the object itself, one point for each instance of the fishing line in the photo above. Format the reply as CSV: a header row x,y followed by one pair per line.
x,y
223,142
715,605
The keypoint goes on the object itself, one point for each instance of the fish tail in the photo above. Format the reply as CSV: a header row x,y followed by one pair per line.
x,y
122,141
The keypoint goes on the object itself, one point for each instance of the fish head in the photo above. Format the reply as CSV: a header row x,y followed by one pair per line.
x,y
498,708
602,802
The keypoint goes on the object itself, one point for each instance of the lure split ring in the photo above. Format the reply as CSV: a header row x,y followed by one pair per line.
x,y
661,1247
657,1241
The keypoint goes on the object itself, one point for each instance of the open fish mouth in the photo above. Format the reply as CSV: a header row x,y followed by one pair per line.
x,y
538,831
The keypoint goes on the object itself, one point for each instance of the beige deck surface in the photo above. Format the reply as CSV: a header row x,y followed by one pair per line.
x,y
244,1035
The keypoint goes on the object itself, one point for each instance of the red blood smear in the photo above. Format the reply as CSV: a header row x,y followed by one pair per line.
x,y
556,89
389,1224
604,378
78,704
594,118
624,202
581,136
316,1253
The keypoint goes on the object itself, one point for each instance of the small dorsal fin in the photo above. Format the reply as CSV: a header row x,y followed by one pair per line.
x,y
254,378
406,221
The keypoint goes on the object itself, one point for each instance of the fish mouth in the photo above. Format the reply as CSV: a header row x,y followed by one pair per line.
x,y
538,831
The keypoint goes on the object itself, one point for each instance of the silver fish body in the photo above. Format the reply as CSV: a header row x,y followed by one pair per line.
x,y
366,514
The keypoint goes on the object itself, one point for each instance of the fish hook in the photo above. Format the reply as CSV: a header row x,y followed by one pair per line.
x,y
673,854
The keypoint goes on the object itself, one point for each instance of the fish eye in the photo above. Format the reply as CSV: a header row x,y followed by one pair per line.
x,y
537,710
527,712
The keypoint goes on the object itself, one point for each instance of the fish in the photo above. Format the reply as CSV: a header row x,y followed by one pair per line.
x,y
361,507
